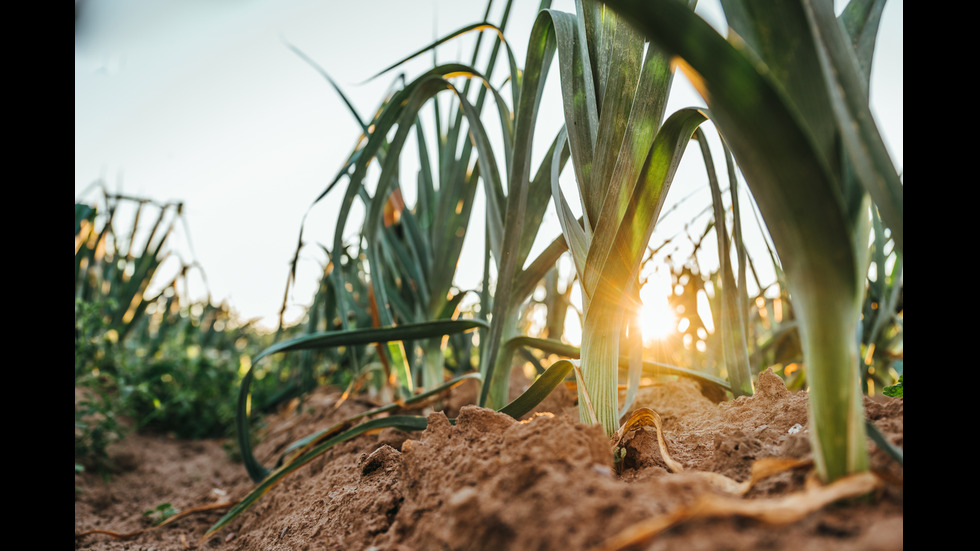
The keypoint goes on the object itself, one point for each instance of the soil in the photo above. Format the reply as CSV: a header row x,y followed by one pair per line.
x,y
490,482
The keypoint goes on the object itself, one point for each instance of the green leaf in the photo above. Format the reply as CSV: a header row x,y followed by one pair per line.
x,y
619,241
650,367
83,212
161,513
350,107
867,155
541,48
539,389
327,339
576,236
388,408
401,422
733,330
879,439
895,390
861,19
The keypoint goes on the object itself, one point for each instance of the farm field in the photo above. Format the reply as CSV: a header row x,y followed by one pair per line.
x,y
631,369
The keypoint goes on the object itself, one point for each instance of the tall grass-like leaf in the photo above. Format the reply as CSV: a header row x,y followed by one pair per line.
x,y
301,446
539,389
270,478
649,367
324,340
733,326
785,96
509,223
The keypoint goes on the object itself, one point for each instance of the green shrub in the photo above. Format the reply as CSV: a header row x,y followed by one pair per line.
x,y
97,412
186,388
895,390
156,366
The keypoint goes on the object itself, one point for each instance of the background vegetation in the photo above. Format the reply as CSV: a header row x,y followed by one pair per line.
x,y
145,358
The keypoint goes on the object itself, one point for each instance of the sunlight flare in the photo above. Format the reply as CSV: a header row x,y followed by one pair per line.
x,y
656,316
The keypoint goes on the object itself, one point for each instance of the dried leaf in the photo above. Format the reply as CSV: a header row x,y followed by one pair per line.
x,y
781,510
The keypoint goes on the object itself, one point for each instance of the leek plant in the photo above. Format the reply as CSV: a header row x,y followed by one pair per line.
x,y
409,279
624,156
406,250
789,92
114,266
412,254
411,265
882,335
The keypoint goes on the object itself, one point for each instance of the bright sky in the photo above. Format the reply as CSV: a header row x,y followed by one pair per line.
x,y
201,101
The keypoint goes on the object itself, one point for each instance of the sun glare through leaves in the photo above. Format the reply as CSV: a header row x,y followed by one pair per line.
x,y
656,316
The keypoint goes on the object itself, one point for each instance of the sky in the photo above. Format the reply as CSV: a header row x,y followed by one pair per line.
x,y
201,101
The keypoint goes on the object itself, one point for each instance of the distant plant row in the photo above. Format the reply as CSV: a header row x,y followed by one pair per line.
x,y
147,359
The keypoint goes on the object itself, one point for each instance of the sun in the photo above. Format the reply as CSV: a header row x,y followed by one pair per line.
x,y
657,318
